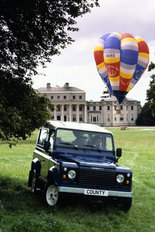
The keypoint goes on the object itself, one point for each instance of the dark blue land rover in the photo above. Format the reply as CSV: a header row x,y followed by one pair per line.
x,y
79,158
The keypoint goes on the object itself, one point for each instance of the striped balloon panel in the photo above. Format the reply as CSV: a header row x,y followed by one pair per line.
x,y
121,59
99,59
129,57
143,60
112,58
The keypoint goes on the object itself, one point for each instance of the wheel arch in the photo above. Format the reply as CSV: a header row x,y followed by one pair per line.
x,y
35,165
52,176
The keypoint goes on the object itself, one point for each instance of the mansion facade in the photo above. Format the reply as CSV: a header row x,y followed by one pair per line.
x,y
70,105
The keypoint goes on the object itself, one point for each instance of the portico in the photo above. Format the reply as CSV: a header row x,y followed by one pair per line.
x,y
70,105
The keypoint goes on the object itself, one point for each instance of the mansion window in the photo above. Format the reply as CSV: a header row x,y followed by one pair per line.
x,y
74,108
94,119
74,119
80,119
80,97
121,118
132,117
58,117
65,118
65,97
52,97
131,107
100,107
94,108
121,107
58,97
58,108
108,107
73,97
52,108
80,108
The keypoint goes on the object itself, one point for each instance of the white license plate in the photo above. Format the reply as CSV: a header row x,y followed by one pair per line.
x,y
95,192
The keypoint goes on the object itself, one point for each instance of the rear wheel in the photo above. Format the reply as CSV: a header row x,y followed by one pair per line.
x,y
34,182
52,195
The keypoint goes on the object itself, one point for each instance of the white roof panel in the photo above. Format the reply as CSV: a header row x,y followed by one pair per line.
x,y
77,126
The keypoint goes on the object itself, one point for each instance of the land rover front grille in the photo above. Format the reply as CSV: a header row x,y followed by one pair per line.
x,y
97,177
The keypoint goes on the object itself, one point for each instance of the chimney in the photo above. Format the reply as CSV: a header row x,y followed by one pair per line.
x,y
66,85
48,85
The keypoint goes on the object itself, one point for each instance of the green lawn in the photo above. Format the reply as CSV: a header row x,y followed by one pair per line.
x,y
20,211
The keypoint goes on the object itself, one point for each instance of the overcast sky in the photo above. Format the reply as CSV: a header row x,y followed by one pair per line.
x,y
76,65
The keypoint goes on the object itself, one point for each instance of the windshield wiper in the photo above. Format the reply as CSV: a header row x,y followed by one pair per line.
x,y
66,143
89,145
69,144
100,148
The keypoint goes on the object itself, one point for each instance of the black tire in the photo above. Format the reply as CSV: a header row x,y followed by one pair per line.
x,y
126,204
34,182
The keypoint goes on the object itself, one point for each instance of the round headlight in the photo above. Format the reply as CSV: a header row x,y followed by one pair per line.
x,y
71,174
120,178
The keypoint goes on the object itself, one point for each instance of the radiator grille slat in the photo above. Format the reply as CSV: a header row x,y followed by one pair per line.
x,y
96,177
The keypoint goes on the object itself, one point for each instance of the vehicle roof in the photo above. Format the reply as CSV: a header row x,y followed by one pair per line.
x,y
76,126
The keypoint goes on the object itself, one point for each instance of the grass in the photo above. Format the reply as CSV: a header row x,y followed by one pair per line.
x,y
22,211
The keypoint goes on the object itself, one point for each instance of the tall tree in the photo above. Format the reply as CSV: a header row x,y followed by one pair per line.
x,y
31,32
147,115
151,91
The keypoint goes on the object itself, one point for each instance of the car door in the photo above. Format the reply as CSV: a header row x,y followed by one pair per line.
x,y
41,154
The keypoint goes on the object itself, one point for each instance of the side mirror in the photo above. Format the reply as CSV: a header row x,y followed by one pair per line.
x,y
46,145
119,152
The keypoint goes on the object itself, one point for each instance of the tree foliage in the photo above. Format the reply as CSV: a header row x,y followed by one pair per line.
x,y
31,32
145,118
147,115
151,91
21,109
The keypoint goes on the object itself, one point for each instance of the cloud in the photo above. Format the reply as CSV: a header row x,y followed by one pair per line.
x,y
76,64
136,17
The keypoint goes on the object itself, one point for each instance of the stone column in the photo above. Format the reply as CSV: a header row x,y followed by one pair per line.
x,y
62,113
85,113
70,112
55,113
77,113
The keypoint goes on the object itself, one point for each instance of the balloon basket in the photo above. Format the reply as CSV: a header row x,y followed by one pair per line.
x,y
118,111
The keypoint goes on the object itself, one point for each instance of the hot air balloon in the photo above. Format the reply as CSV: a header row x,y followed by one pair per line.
x,y
121,60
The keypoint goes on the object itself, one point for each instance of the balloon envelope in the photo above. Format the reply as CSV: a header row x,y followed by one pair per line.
x,y
121,59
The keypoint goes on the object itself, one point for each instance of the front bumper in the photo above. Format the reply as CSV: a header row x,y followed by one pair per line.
x,y
94,192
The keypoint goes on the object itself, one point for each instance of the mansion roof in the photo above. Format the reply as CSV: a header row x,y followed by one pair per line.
x,y
113,98
58,89
70,89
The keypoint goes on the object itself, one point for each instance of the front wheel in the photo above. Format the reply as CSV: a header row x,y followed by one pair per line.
x,y
126,204
52,195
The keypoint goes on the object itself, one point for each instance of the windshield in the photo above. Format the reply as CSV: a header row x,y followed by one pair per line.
x,y
84,139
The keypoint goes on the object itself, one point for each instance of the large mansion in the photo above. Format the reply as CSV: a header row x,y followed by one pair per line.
x,y
70,105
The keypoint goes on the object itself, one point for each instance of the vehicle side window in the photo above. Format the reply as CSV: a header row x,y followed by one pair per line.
x,y
109,143
51,140
43,136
